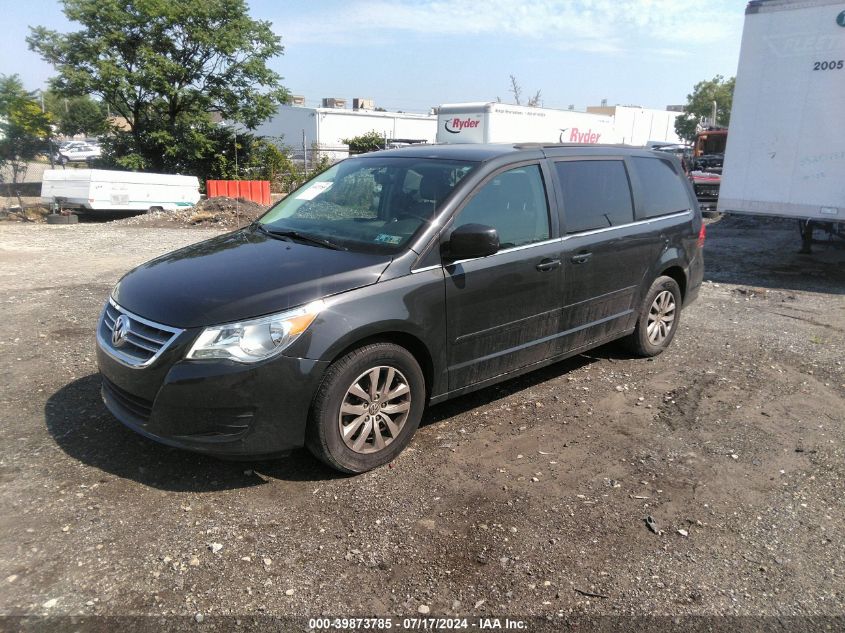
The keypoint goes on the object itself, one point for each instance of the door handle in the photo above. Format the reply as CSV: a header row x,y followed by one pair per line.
x,y
581,258
548,264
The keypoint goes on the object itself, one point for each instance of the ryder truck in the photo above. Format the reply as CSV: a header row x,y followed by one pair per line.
x,y
502,123
786,150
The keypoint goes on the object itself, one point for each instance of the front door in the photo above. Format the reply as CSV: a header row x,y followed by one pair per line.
x,y
504,310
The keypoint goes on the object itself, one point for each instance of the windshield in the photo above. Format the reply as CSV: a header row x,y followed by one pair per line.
x,y
367,204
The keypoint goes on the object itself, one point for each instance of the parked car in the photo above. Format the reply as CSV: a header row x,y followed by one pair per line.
x,y
684,153
81,152
706,186
395,280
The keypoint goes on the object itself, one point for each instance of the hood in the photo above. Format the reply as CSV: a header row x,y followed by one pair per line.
x,y
238,276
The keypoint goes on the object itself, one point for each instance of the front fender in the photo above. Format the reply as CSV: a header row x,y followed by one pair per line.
x,y
410,306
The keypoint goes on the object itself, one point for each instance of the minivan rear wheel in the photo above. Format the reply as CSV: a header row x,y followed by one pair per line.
x,y
658,319
367,408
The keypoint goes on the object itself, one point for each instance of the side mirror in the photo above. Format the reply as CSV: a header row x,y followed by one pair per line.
x,y
470,241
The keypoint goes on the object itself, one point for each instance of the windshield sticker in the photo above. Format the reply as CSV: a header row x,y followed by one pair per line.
x,y
314,190
384,238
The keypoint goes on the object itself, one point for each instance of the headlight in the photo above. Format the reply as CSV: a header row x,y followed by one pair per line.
x,y
257,339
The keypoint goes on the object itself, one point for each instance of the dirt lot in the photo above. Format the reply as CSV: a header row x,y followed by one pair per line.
x,y
521,499
222,213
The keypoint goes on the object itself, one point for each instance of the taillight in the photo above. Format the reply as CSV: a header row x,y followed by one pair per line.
x,y
701,235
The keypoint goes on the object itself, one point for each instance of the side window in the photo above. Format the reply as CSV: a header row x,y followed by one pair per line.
x,y
661,189
596,194
514,203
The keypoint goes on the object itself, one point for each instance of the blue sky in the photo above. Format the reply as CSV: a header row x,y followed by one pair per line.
x,y
411,55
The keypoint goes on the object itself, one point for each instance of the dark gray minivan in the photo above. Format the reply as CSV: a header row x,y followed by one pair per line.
x,y
394,280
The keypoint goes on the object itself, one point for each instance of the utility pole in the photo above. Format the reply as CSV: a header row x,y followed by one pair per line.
x,y
49,138
304,155
237,177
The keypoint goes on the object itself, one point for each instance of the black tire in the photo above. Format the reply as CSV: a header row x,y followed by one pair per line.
x,y
641,341
323,435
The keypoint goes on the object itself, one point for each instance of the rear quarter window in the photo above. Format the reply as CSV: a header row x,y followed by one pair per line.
x,y
596,194
661,189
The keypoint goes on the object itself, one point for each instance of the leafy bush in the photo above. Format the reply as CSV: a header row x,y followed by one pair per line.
x,y
369,142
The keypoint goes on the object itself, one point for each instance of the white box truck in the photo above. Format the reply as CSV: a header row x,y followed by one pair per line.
x,y
103,190
785,154
502,123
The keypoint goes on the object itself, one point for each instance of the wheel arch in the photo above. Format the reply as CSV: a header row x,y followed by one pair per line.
x,y
415,346
677,273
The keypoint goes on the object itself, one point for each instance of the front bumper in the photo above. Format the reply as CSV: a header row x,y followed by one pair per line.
x,y
214,407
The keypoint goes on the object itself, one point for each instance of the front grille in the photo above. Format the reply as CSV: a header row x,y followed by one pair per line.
x,y
142,341
138,407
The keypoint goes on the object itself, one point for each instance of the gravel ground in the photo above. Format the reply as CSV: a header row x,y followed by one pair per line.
x,y
521,499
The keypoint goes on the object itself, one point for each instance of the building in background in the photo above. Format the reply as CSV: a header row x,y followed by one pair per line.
x,y
319,131
641,126
323,129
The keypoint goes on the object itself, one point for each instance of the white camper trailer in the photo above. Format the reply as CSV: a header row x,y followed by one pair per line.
x,y
101,190
502,123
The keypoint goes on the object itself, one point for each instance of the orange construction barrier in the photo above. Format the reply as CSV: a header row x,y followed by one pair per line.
x,y
255,190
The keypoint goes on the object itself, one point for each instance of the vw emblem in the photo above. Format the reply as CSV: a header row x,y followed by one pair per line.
x,y
121,329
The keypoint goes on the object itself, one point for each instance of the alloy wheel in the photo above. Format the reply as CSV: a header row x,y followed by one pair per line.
x,y
661,317
374,409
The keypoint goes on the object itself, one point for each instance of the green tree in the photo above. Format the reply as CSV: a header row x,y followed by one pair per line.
x,y
263,159
700,105
369,142
24,128
167,67
267,158
76,115
11,92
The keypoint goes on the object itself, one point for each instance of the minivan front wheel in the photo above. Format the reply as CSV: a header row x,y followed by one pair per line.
x,y
367,408
658,318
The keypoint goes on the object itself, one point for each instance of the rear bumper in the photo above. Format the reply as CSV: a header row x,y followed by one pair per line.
x,y
695,276
217,408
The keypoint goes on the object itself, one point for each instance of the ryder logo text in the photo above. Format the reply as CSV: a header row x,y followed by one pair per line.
x,y
574,135
454,126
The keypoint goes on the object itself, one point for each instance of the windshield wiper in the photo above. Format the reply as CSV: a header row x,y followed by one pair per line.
x,y
302,237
